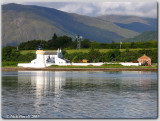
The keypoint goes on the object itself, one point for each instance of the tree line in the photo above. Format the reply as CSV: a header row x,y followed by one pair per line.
x,y
115,55
10,53
67,42
94,55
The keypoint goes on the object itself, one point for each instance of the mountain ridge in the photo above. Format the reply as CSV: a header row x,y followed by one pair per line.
x,y
135,23
28,22
144,37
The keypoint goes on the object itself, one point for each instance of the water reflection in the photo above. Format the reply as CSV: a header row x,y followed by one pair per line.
x,y
43,84
47,82
80,94
43,81
137,81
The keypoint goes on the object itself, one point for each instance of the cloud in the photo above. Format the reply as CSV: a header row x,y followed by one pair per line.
x,y
24,1
143,9
81,8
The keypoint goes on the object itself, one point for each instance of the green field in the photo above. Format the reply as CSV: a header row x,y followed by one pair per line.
x,y
83,50
9,64
105,66
14,64
102,50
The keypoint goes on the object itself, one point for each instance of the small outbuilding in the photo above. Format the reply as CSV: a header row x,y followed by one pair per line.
x,y
85,61
145,60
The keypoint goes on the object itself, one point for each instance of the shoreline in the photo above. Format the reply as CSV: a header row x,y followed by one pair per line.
x,y
76,69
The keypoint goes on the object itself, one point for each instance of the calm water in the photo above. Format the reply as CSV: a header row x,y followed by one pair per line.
x,y
46,94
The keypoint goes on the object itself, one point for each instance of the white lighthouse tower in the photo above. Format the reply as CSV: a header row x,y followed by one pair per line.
x,y
40,60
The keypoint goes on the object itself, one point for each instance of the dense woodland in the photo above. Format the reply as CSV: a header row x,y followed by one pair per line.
x,y
64,42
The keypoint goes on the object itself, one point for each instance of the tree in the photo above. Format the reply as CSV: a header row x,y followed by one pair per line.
x,y
54,36
94,55
113,55
95,45
75,59
74,44
32,45
62,42
6,53
85,43
50,43
102,57
132,44
64,52
113,45
14,55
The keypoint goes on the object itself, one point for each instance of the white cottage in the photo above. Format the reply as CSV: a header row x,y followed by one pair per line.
x,y
46,58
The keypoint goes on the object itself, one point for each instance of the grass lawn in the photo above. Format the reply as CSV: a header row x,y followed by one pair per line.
x,y
27,51
105,66
14,64
9,64
103,50
82,50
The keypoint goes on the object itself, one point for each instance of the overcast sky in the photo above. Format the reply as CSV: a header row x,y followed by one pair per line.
x,y
144,9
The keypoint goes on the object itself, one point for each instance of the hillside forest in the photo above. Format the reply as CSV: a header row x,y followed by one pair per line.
x,y
131,50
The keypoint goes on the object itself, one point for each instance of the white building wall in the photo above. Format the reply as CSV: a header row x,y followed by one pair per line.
x,y
59,61
40,60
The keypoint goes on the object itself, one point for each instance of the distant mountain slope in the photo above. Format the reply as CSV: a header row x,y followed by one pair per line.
x,y
135,26
145,36
105,25
135,23
27,22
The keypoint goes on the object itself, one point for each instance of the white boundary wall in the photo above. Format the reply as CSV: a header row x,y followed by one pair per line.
x,y
74,64
86,64
129,64
31,65
64,64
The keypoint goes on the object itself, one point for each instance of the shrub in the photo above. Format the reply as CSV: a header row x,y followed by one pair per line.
x,y
9,63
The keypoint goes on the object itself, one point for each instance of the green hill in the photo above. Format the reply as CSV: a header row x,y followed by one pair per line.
x,y
27,22
135,23
145,36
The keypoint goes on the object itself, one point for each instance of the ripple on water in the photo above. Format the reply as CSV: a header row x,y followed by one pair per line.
x,y
80,94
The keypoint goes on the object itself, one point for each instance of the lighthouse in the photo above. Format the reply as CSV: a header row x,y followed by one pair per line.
x,y
40,57
46,58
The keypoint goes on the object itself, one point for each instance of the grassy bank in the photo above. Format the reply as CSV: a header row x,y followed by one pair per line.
x,y
9,64
84,50
104,66
14,64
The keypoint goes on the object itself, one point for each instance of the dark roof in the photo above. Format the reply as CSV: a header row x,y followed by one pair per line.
x,y
50,53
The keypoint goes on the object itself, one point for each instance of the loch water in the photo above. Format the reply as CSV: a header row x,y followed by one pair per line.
x,y
77,94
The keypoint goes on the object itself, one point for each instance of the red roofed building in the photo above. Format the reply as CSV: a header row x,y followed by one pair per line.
x,y
144,60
